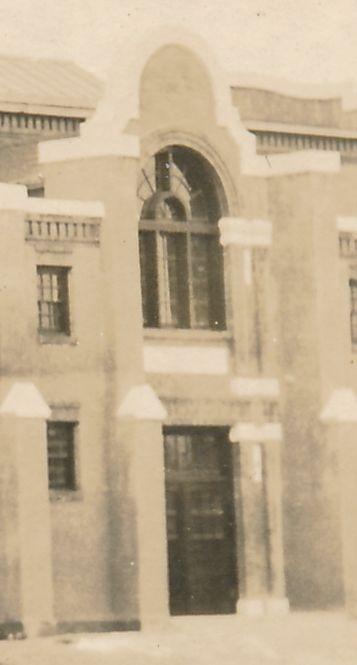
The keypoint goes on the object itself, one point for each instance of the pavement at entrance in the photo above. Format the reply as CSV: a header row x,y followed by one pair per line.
x,y
298,639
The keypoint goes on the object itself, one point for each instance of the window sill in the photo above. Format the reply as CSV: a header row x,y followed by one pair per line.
x,y
62,496
186,334
57,339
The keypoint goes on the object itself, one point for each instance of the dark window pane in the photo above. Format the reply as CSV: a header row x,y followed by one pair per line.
x,y
207,282
148,273
217,295
353,313
36,192
171,209
200,253
60,451
176,280
162,171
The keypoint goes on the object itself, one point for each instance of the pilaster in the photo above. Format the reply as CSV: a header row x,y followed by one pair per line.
x,y
259,518
140,417
24,459
339,416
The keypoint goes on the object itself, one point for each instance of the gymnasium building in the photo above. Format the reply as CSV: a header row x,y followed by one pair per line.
x,y
178,288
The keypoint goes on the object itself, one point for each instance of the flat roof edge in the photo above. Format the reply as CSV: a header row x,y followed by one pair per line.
x,y
46,109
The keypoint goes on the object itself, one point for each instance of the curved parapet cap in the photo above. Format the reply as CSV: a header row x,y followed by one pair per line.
x,y
340,408
142,403
25,401
105,133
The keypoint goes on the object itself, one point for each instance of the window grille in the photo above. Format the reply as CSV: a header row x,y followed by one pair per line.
x,y
61,455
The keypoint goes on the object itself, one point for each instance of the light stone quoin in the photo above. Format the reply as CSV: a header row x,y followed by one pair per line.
x,y
245,232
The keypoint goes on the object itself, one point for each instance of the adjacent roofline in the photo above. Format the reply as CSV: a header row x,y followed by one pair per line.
x,y
47,86
289,88
292,128
41,109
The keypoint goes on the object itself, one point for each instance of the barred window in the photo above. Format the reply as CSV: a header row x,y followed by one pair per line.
x,y
353,310
181,258
53,301
61,455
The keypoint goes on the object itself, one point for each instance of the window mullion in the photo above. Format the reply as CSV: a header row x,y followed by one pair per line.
x,y
165,316
191,303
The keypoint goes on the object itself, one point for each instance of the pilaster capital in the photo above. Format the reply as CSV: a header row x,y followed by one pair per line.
x,y
347,224
25,401
340,408
245,232
142,403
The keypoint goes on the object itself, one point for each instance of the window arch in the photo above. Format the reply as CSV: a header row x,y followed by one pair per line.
x,y
181,257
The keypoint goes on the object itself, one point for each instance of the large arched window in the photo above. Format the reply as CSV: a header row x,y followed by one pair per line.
x,y
180,254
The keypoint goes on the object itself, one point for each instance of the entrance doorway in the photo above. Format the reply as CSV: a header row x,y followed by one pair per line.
x,y
200,521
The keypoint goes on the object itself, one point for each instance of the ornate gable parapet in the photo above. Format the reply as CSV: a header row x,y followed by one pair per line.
x,y
106,132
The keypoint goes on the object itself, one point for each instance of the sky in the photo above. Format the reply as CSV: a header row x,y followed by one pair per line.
x,y
311,41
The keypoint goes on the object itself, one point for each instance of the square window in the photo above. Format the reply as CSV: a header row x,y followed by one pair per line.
x,y
61,455
36,191
53,299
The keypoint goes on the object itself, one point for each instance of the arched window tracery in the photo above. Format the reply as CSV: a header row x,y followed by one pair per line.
x,y
180,255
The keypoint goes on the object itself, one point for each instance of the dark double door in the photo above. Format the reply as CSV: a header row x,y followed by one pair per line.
x,y
200,521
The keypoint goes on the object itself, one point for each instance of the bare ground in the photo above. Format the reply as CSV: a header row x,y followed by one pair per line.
x,y
298,639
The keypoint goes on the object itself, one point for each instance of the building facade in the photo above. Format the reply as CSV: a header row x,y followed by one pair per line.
x,y
178,329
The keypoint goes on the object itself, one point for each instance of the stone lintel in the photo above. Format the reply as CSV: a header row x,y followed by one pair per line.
x,y
256,386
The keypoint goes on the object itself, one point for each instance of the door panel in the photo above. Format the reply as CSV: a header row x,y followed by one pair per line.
x,y
200,521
